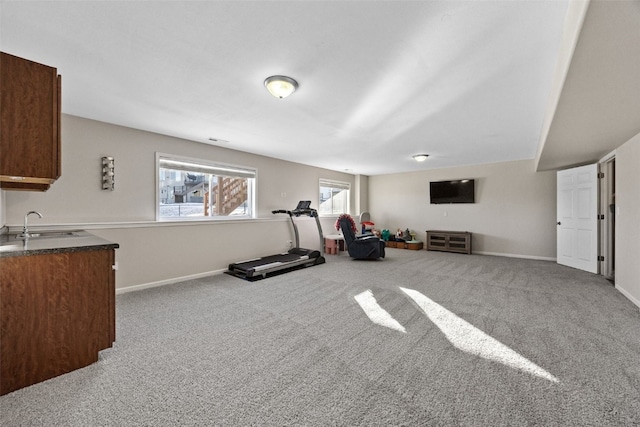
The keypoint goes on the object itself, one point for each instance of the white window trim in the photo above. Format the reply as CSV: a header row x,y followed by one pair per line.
x,y
322,182
207,166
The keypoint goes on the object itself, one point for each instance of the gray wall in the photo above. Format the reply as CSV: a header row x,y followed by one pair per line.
x,y
3,210
153,252
627,267
514,213
77,196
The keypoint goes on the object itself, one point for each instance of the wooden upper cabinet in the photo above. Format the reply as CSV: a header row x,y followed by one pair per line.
x,y
30,108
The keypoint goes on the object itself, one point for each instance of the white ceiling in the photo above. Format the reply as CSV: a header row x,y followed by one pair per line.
x,y
467,82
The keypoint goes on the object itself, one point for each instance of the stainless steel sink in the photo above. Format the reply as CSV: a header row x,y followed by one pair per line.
x,y
52,234
47,235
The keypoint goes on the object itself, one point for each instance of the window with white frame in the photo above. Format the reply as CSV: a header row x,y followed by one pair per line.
x,y
195,189
334,197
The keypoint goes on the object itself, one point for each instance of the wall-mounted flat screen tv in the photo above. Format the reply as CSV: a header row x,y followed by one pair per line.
x,y
458,191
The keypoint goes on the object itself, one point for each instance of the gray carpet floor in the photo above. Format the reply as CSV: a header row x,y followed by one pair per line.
x,y
298,349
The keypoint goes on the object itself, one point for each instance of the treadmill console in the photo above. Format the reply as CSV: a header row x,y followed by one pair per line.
x,y
304,209
303,204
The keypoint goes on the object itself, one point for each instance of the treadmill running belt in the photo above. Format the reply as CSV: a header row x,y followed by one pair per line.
x,y
268,260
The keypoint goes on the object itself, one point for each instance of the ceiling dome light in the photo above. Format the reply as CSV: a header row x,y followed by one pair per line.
x,y
420,157
280,86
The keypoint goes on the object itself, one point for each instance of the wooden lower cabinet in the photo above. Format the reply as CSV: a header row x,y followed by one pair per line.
x,y
57,312
449,241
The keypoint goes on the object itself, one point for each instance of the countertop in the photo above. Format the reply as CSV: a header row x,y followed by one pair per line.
x,y
55,243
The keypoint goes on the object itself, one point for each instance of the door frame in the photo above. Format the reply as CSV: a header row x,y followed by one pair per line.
x,y
607,222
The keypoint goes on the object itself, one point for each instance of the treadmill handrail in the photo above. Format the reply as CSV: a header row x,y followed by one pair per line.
x,y
293,224
303,211
310,212
297,212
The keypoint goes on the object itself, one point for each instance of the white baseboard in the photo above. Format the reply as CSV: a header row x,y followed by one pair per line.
x,y
166,282
628,295
539,258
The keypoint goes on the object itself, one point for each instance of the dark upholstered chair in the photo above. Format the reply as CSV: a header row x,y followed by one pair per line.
x,y
363,247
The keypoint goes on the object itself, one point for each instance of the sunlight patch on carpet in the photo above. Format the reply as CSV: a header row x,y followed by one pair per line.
x,y
377,314
470,339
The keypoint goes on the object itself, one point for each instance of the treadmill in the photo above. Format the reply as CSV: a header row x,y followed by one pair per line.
x,y
296,257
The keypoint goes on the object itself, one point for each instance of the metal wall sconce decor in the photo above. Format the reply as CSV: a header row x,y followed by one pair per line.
x,y
108,173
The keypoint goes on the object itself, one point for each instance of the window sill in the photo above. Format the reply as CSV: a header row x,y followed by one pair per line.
x,y
138,224
205,219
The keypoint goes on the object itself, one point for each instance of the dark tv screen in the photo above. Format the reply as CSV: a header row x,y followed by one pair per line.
x,y
459,191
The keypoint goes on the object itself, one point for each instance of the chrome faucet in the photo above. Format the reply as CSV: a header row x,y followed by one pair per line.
x,y
25,229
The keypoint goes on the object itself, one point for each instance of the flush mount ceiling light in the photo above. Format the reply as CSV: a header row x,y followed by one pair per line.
x,y
280,86
420,157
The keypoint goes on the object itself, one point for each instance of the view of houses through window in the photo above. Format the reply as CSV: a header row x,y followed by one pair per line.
x,y
334,197
196,189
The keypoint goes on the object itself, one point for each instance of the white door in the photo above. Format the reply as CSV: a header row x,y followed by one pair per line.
x,y
578,218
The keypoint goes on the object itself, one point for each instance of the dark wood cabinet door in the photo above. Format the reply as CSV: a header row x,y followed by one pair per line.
x,y
30,101
57,311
